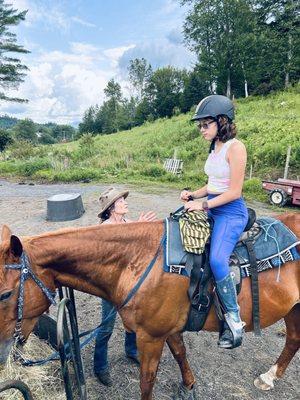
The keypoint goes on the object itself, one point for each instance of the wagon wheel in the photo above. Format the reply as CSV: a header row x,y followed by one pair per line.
x,y
278,197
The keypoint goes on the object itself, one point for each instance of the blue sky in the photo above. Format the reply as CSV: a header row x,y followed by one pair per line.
x,y
78,45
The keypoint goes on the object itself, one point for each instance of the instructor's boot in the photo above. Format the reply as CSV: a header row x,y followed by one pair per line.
x,y
232,334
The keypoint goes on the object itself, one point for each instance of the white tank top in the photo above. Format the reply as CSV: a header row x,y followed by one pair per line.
x,y
217,169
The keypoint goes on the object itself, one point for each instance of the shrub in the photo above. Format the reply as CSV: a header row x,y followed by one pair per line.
x,y
253,189
77,174
5,138
28,168
86,145
7,167
153,170
21,149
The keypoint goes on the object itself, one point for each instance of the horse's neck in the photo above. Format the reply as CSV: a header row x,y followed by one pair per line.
x,y
103,261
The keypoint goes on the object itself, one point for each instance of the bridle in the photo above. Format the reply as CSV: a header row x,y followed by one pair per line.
x,y
25,273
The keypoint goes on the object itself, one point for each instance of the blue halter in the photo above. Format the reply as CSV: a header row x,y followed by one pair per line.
x,y
25,273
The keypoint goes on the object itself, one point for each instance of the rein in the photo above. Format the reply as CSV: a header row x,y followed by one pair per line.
x,y
144,275
25,273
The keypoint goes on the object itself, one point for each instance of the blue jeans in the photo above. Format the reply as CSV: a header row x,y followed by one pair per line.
x,y
230,221
104,334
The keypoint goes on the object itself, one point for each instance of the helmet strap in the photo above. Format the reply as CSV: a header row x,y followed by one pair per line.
x,y
212,145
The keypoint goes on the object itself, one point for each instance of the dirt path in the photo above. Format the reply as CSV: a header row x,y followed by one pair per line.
x,y
220,374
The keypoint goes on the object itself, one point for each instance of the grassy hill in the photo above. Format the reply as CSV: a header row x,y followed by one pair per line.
x,y
267,125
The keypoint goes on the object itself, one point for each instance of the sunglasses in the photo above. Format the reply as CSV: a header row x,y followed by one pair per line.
x,y
204,125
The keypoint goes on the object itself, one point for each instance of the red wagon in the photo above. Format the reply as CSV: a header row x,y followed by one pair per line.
x,y
282,191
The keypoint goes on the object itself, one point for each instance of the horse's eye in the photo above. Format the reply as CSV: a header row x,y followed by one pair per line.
x,y
6,295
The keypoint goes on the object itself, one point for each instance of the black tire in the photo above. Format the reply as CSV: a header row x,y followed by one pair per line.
x,y
278,197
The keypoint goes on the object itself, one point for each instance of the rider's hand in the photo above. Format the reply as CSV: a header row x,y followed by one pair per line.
x,y
147,216
185,194
193,206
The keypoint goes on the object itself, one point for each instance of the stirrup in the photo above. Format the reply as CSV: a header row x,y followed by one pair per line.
x,y
237,330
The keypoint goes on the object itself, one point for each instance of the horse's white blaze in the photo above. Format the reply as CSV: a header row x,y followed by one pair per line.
x,y
266,381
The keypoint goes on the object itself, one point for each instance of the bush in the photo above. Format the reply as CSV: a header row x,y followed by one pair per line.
x,y
20,150
253,189
153,170
77,174
86,145
46,138
5,139
7,167
29,168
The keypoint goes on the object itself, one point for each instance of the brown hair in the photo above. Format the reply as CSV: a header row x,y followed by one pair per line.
x,y
226,128
106,213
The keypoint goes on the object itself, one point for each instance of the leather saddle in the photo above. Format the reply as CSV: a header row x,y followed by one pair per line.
x,y
175,253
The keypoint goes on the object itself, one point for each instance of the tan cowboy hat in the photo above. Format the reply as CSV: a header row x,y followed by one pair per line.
x,y
108,197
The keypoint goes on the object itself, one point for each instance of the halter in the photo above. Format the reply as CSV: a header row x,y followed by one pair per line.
x,y
25,273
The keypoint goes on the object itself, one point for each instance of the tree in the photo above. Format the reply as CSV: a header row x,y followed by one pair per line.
x,y
113,91
5,138
26,130
166,85
280,29
46,138
140,72
126,114
195,88
63,132
110,108
12,71
223,35
87,124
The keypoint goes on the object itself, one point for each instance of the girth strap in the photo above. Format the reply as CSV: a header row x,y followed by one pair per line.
x,y
254,286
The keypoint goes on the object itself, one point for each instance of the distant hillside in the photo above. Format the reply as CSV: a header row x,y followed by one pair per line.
x,y
7,122
267,126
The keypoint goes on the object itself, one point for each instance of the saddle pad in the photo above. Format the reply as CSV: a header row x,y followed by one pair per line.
x,y
273,240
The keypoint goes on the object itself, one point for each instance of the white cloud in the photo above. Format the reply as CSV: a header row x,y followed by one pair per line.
x,y
60,86
170,6
82,22
49,13
159,53
116,53
83,48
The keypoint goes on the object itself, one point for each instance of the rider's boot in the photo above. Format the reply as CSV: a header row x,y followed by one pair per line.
x,y
233,329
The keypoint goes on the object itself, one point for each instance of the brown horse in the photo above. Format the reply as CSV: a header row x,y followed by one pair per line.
x,y
107,261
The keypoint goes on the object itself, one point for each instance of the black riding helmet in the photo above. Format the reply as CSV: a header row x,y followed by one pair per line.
x,y
214,105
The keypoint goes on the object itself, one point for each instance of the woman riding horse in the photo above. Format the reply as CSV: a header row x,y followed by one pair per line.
x,y
225,167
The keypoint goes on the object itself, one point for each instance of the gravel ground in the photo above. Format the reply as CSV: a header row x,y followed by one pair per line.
x,y
220,374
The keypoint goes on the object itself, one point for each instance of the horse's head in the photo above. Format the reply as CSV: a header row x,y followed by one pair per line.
x,y
34,301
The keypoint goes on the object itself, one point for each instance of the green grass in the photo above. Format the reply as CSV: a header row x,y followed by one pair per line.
x,y
267,125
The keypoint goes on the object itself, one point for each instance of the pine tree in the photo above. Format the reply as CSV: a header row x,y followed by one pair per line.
x,y
12,71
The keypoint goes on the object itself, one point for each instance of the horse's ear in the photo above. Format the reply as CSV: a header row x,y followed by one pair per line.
x,y
6,233
16,247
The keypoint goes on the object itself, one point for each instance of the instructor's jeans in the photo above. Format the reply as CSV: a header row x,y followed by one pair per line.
x,y
104,334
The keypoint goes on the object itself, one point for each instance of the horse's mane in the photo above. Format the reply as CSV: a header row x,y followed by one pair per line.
x,y
90,228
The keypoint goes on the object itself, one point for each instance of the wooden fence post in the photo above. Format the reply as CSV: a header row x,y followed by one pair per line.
x,y
287,162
